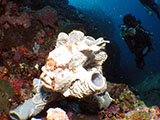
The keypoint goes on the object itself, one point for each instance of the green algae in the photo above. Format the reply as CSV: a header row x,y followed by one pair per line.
x,y
6,93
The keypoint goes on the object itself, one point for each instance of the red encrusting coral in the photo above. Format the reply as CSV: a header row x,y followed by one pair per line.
x,y
47,16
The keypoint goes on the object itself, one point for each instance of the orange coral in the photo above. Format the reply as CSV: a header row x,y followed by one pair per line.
x,y
40,41
23,48
51,63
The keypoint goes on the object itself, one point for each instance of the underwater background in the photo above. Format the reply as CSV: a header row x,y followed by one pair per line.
x,y
28,32
115,10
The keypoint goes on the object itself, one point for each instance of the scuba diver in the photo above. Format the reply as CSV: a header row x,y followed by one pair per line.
x,y
151,5
136,37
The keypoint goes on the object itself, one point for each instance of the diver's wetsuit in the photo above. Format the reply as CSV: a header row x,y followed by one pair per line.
x,y
152,5
139,42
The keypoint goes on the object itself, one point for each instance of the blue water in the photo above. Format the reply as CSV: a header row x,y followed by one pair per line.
x,y
116,9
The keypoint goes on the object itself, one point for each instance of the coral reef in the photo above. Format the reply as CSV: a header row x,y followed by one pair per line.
x,y
6,20
27,35
151,92
68,72
47,16
127,106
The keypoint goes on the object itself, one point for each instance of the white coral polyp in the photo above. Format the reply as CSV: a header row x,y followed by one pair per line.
x,y
75,36
68,68
56,114
58,55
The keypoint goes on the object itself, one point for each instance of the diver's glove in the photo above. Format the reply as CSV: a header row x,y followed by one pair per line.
x,y
32,106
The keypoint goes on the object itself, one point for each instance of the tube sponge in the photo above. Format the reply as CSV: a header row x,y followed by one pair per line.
x,y
74,67
32,106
